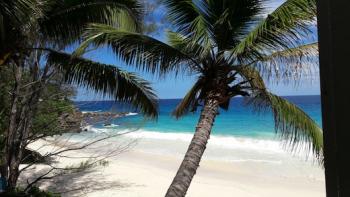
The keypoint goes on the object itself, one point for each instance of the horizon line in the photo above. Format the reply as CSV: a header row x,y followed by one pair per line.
x,y
182,98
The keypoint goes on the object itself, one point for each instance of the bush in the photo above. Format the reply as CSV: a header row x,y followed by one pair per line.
x,y
33,192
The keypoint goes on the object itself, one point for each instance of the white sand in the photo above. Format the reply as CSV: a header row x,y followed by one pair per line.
x,y
140,173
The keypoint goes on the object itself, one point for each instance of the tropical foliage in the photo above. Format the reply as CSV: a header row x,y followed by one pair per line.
x,y
33,36
29,25
232,47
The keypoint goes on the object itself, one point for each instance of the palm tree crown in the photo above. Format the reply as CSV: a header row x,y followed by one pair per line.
x,y
231,46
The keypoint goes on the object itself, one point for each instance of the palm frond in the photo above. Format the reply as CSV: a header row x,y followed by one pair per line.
x,y
184,44
190,18
280,30
107,80
201,33
15,17
253,76
231,20
290,64
189,102
66,21
17,11
294,125
182,13
142,51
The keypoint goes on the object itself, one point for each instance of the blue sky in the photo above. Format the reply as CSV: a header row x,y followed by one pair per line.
x,y
172,87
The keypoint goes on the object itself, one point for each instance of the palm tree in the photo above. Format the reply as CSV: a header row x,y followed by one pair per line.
x,y
33,36
231,47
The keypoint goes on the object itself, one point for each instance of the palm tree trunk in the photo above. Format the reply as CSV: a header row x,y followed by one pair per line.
x,y
190,163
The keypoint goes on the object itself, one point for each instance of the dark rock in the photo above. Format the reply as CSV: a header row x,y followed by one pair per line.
x,y
71,122
90,118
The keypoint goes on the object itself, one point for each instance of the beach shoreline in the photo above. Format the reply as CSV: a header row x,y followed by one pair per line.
x,y
140,172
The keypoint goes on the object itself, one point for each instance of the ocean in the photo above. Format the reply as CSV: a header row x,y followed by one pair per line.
x,y
239,134
240,120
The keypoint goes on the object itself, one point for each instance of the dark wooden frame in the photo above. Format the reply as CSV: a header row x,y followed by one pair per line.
x,y
334,42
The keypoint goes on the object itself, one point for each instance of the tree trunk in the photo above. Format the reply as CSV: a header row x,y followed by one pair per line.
x,y
18,145
11,135
26,117
23,107
190,163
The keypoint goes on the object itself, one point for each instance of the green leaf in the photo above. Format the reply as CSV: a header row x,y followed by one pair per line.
x,y
142,51
192,49
16,16
281,29
191,19
294,125
189,102
107,80
231,20
66,21
182,13
291,64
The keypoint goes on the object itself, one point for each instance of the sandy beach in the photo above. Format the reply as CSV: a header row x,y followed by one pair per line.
x,y
140,172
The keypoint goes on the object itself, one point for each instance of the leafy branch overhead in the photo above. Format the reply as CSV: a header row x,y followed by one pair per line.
x,y
62,19
282,29
37,25
294,125
107,80
141,51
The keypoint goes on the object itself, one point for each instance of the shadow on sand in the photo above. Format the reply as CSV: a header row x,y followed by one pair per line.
x,y
78,183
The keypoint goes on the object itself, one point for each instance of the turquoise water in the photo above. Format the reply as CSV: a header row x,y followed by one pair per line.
x,y
239,121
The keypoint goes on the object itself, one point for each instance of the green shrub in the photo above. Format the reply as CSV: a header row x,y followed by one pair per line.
x,y
33,192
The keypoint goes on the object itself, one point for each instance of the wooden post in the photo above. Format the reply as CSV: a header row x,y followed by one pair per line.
x,y
334,43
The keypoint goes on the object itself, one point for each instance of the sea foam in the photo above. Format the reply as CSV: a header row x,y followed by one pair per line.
x,y
131,114
227,142
228,148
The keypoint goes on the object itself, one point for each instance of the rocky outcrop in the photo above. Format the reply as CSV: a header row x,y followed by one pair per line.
x,y
90,118
71,122
77,121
